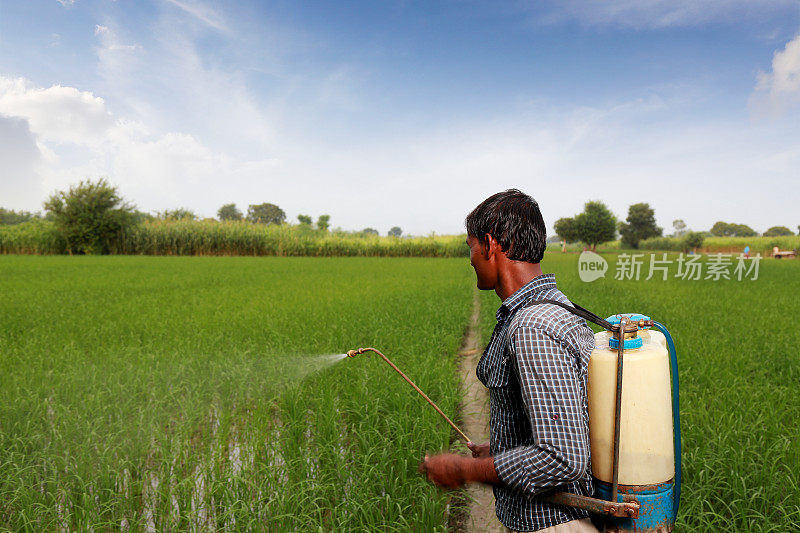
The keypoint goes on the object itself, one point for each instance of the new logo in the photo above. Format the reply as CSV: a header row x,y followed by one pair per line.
x,y
591,266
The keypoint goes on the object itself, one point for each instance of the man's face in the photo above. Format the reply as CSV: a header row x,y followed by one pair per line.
x,y
484,267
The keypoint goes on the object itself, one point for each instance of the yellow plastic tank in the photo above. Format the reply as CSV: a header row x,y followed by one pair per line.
x,y
646,440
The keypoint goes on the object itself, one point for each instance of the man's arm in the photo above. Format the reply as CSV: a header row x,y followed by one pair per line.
x,y
553,401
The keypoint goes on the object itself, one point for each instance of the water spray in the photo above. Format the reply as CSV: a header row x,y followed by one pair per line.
x,y
353,353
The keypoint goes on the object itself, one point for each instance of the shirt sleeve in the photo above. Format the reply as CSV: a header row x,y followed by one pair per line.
x,y
553,401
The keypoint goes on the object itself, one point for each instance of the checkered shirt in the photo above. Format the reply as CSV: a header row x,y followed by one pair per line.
x,y
535,368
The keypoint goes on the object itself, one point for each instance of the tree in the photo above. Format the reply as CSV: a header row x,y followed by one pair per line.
x,y
91,215
778,231
265,214
180,213
743,230
640,225
596,224
369,231
229,212
323,222
395,232
721,229
680,228
724,229
693,240
567,229
305,220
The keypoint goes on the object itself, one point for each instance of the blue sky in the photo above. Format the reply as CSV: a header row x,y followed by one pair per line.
x,y
407,113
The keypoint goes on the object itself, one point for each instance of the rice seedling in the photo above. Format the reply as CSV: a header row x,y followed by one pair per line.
x,y
153,393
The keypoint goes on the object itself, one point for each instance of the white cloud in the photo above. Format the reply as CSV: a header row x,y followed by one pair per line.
x,y
657,13
780,89
53,137
66,3
110,40
202,13
20,180
56,114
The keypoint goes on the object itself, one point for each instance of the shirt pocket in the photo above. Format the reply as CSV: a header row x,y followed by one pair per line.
x,y
500,374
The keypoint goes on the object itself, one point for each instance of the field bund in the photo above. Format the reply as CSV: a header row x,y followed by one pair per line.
x,y
155,393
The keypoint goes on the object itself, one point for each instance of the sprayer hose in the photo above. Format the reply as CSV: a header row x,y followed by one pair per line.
x,y
676,414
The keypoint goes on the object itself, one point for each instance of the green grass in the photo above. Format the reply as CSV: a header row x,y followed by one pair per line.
x,y
119,371
740,385
116,372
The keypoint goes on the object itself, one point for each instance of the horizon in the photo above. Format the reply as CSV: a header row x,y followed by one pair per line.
x,y
385,115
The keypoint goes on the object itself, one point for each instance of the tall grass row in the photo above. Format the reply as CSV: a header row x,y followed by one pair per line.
x,y
186,237
762,245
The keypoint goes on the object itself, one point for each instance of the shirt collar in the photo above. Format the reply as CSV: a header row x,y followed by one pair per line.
x,y
524,293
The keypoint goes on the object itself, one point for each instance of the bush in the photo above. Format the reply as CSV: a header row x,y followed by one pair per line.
x,y
229,212
91,216
693,240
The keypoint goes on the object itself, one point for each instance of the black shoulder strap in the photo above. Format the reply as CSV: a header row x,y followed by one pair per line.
x,y
576,309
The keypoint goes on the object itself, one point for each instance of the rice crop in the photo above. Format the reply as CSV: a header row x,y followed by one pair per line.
x,y
154,393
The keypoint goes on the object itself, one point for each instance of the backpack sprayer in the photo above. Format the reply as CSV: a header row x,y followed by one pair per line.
x,y
636,459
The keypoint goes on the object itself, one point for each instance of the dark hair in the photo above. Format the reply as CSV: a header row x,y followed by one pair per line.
x,y
514,220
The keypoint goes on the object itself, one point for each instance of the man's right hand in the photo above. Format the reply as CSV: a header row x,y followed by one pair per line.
x,y
478,450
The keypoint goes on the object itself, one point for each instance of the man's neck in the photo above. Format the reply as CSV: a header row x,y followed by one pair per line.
x,y
513,275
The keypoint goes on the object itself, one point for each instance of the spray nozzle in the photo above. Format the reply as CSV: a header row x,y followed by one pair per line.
x,y
353,353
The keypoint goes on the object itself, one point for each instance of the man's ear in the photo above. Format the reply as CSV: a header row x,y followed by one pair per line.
x,y
492,246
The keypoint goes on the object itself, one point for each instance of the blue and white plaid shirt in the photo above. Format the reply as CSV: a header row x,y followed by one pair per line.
x,y
535,368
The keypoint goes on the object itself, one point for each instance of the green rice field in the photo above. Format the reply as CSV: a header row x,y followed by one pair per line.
x,y
171,393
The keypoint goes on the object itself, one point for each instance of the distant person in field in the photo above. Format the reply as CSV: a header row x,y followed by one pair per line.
x,y
747,252
535,368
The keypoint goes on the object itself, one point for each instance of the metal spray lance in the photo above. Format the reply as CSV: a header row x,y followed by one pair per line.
x,y
353,353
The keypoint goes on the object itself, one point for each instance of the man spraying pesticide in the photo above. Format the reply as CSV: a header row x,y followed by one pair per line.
x,y
559,446
535,368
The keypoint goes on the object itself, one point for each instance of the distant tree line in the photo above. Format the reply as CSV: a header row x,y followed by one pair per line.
x,y
9,216
91,214
597,224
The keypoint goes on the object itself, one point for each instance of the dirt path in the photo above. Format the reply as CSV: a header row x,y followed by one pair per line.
x,y
475,414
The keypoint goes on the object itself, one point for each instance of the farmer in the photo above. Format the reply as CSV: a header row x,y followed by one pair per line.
x,y
535,368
